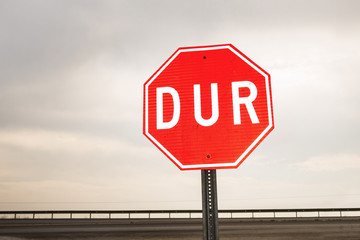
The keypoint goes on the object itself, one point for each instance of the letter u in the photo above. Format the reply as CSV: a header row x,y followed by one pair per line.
x,y
214,105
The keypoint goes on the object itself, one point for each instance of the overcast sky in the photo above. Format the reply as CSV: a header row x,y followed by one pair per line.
x,y
71,85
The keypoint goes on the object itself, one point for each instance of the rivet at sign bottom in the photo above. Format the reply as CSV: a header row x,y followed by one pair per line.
x,y
208,156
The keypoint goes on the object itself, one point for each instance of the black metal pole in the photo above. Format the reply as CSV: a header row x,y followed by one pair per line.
x,y
209,205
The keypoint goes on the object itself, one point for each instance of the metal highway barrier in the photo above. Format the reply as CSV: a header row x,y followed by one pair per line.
x,y
187,214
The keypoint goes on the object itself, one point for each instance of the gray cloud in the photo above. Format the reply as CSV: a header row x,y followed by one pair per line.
x,y
74,70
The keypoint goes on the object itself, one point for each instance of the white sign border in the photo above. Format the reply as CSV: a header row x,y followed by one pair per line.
x,y
214,165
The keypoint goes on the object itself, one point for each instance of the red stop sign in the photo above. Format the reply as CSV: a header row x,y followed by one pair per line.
x,y
208,107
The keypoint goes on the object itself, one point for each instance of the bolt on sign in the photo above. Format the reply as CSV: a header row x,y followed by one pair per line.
x,y
208,107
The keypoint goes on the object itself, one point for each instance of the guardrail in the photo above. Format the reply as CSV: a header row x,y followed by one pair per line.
x,y
148,214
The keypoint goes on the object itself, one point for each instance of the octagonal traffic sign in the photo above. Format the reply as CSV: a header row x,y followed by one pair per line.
x,y
208,107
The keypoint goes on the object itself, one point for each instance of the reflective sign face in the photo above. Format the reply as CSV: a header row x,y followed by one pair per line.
x,y
208,107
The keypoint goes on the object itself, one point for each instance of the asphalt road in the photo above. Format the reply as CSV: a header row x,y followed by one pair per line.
x,y
187,229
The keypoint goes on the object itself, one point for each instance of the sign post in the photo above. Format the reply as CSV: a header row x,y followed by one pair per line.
x,y
209,205
208,108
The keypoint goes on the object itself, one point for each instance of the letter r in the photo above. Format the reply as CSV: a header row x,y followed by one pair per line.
x,y
248,101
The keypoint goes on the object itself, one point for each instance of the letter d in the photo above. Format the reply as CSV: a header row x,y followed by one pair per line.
x,y
160,124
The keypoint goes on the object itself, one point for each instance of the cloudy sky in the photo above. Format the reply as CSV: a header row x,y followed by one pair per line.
x,y
71,82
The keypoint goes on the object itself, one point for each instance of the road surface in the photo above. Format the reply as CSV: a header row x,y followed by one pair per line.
x,y
187,229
